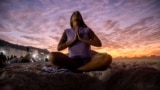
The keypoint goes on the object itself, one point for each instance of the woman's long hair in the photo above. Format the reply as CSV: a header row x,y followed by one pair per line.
x,y
82,24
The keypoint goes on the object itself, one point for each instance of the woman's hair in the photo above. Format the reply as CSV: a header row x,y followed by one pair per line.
x,y
82,24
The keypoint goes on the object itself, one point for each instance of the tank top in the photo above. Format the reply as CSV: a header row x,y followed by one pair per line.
x,y
78,49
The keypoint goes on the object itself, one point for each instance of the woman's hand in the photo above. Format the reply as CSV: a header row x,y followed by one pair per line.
x,y
78,36
64,43
75,37
68,43
94,40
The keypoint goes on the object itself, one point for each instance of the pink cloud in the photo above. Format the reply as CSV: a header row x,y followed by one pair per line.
x,y
122,25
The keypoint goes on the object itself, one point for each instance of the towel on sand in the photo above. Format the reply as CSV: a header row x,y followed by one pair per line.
x,y
54,70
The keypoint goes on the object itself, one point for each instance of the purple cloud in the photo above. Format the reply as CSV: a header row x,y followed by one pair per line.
x,y
122,25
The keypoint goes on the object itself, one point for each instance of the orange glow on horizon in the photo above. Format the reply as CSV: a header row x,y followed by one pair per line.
x,y
125,53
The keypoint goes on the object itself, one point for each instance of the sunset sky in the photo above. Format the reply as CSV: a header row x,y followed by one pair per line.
x,y
126,27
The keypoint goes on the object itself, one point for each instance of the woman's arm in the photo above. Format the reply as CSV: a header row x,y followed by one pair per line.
x,y
64,43
94,40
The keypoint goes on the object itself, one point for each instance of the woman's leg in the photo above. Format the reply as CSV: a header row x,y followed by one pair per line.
x,y
98,61
62,60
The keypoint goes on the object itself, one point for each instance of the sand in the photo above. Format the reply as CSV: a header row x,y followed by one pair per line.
x,y
123,75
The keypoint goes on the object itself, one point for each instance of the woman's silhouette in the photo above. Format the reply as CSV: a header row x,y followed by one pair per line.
x,y
79,39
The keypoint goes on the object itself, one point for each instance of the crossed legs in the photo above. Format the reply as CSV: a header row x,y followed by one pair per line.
x,y
97,62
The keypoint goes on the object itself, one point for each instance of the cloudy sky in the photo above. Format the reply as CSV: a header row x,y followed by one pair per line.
x,y
125,27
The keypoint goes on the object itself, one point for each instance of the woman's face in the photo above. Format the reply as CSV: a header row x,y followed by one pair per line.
x,y
75,20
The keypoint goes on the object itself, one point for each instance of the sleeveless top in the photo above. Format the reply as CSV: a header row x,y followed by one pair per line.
x,y
78,49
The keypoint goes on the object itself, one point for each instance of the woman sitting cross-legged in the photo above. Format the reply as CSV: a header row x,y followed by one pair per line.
x,y
79,39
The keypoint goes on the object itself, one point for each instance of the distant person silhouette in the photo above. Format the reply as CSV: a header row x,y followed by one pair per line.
x,y
27,49
79,39
28,57
2,59
11,57
14,56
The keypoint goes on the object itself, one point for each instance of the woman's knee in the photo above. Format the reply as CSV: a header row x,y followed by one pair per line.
x,y
107,59
53,56
58,58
